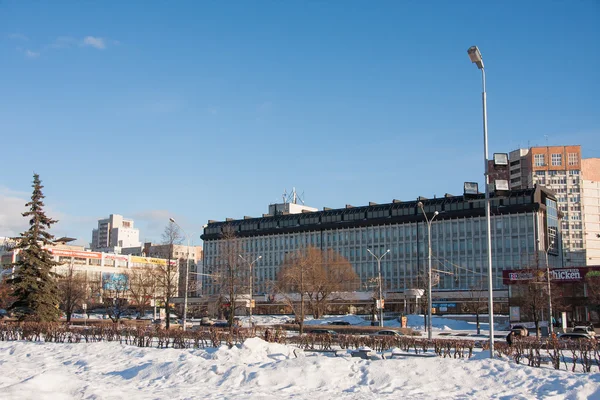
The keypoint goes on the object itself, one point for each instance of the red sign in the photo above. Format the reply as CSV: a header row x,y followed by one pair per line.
x,y
557,275
74,253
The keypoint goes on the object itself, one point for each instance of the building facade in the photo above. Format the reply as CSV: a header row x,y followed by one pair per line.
x,y
175,252
561,169
590,202
100,269
114,233
522,223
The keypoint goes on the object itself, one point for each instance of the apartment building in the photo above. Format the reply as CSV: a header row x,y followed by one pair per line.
x,y
114,233
558,168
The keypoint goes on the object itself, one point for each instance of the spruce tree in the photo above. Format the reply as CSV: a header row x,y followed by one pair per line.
x,y
34,282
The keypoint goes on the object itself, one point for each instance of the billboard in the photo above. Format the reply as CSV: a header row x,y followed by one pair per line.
x,y
557,275
74,253
151,260
113,281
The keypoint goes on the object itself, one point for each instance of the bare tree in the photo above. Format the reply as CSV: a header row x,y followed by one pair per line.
x,y
168,274
115,290
94,290
292,280
476,301
71,290
532,297
142,287
232,274
333,274
314,275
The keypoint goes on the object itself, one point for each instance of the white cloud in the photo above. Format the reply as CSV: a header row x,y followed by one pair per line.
x,y
31,54
95,42
18,36
63,42
12,205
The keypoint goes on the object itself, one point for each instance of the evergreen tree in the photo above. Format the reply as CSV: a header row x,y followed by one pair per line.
x,y
34,283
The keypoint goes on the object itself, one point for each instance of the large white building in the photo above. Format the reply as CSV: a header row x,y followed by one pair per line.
x,y
114,233
523,225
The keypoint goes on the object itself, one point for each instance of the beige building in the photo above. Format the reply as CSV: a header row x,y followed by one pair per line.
x,y
590,202
101,270
114,233
179,252
561,169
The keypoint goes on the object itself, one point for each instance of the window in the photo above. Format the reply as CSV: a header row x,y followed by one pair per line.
x,y
573,159
556,159
539,160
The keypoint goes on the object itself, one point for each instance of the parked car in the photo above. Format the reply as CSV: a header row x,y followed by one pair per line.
x,y
388,332
221,324
520,330
585,329
322,332
339,323
574,336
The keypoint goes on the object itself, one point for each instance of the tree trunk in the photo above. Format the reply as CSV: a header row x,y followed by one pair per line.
x,y
478,326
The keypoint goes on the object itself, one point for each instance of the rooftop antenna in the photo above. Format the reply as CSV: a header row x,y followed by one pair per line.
x,y
546,136
293,197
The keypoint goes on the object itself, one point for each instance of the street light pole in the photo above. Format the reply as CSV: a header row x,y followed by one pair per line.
x,y
187,267
250,265
429,221
380,284
550,326
475,56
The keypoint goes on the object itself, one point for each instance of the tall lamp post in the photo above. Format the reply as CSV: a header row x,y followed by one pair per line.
x,y
187,275
250,265
380,289
475,56
550,326
429,221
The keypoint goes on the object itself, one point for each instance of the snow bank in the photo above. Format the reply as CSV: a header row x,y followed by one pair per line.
x,y
263,370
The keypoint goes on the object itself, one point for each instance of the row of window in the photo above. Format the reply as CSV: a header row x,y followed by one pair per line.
x,y
539,160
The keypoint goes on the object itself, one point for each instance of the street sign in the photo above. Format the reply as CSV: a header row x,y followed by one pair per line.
x,y
380,303
84,306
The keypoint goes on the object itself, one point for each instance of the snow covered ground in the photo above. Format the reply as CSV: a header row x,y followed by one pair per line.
x,y
260,370
441,325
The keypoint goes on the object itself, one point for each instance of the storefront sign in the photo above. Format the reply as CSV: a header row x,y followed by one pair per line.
x,y
74,253
557,275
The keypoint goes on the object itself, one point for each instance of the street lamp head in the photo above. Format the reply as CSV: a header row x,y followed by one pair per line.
x,y
259,257
387,251
436,213
172,220
475,56
420,204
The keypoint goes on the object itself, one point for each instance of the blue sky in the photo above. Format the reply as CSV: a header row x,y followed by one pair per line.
x,y
207,110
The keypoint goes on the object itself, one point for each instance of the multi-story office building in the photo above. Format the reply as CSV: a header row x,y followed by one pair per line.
x,y
114,233
560,168
100,269
176,252
523,222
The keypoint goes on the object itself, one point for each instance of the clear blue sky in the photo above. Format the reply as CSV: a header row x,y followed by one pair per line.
x,y
207,110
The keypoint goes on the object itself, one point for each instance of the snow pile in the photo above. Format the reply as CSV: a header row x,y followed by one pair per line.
x,y
260,370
